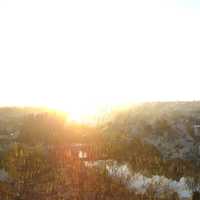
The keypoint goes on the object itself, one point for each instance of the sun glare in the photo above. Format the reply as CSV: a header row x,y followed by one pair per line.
x,y
79,59
78,115
77,112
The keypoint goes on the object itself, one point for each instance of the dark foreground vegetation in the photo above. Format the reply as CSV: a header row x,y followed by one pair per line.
x,y
39,175
40,152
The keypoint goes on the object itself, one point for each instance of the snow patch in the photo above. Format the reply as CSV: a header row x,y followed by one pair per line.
x,y
4,175
140,183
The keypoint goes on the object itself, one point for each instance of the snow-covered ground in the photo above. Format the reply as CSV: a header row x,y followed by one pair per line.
x,y
140,183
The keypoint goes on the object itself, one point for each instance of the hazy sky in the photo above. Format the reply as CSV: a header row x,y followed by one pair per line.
x,y
90,53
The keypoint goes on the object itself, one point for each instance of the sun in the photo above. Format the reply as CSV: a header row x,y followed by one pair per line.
x,y
77,115
78,112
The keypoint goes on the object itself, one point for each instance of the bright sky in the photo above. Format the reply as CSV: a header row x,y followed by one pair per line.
x,y
81,55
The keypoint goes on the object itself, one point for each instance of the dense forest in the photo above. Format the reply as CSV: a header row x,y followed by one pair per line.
x,y
44,155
